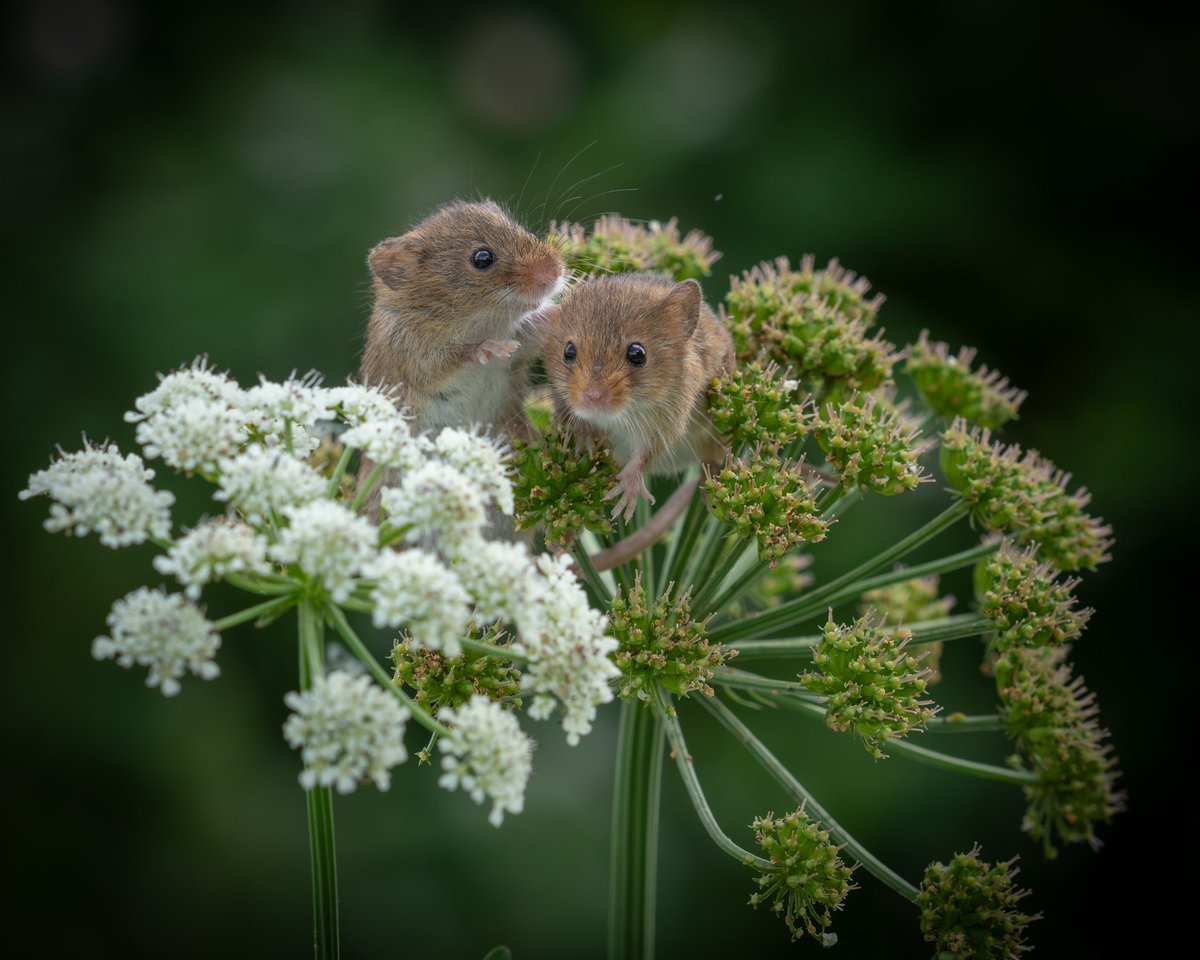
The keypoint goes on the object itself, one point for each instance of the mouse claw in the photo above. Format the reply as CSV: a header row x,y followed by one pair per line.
x,y
630,487
495,350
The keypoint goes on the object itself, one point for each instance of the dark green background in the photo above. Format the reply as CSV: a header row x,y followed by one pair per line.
x,y
193,178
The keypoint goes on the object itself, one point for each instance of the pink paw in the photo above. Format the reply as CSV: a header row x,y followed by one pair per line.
x,y
630,487
495,350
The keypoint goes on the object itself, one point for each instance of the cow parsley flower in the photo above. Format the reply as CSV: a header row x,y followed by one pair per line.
x,y
498,575
358,403
482,461
210,551
98,489
415,589
348,729
486,754
195,382
164,632
389,442
436,503
194,435
327,542
302,401
261,482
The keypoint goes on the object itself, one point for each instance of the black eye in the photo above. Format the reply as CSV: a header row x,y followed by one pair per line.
x,y
569,353
636,354
482,258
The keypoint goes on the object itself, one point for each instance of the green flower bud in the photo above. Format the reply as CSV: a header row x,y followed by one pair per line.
x,y
661,644
871,445
1027,601
440,681
872,686
949,386
758,409
812,321
1026,495
807,881
908,602
617,245
1053,718
769,500
561,487
969,909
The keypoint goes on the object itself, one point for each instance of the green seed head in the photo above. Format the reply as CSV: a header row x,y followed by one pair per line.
x,y
1030,603
758,408
871,444
561,486
949,387
617,245
440,681
909,602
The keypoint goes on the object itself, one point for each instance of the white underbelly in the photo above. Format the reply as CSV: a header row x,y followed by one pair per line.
x,y
476,394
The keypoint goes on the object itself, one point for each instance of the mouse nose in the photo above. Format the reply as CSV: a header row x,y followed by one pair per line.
x,y
593,394
545,274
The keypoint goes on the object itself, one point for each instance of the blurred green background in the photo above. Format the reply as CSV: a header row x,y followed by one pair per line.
x,y
190,178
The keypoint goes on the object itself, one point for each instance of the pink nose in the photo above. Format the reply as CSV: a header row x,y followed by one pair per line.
x,y
593,395
546,274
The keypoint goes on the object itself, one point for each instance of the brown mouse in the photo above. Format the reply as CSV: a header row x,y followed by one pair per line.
x,y
631,357
449,296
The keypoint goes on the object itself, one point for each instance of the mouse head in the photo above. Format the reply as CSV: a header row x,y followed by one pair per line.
x,y
620,345
467,260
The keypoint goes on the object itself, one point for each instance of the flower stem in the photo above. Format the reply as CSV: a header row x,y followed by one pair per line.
x,y
256,585
785,779
634,858
320,805
961,723
734,552
367,487
253,613
928,631
335,481
591,578
494,650
685,538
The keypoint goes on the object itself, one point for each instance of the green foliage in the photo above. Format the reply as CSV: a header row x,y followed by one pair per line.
x,y
617,245
561,486
951,388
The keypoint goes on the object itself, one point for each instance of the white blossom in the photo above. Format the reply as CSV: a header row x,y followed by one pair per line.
x,y
195,382
98,489
487,754
210,551
347,728
438,503
570,657
304,442
389,443
482,460
416,589
194,435
362,404
500,577
260,481
302,402
327,542
166,633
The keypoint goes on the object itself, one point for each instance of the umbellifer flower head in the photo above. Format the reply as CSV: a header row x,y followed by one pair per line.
x,y
348,729
1030,603
871,444
660,644
482,460
969,909
770,500
328,543
210,551
617,245
262,483
814,322
1053,718
166,633
1026,495
758,408
561,487
414,588
437,504
951,388
98,489
872,684
911,601
486,754
808,880
443,681
389,442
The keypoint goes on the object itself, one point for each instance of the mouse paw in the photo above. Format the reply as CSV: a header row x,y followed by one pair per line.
x,y
630,487
495,350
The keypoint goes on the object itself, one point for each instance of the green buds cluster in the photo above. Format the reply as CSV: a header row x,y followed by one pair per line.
x,y
661,644
617,245
807,881
1029,603
814,322
1053,718
440,681
767,499
911,601
758,408
561,487
969,909
951,388
871,445
872,685
1024,494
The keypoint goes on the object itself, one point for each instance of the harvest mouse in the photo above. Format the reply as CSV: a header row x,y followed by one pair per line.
x,y
449,296
631,357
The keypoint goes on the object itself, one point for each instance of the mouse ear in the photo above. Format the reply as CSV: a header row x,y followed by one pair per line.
x,y
390,260
683,305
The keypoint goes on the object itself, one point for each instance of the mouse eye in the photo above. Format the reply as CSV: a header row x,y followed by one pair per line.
x,y
636,354
569,353
482,258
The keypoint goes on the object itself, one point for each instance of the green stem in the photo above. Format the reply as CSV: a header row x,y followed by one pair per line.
x,y
735,550
321,843
681,545
493,650
742,680
335,482
255,585
367,487
785,779
253,613
961,723
634,860
714,537
927,631
600,594
743,582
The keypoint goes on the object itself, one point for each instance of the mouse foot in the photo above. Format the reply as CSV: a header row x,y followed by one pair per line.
x,y
494,350
630,487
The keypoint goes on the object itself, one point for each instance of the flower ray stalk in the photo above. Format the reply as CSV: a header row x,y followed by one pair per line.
x,y
929,631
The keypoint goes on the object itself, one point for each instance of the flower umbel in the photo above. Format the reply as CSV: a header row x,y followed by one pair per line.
x,y
871,445
415,589
328,543
911,601
951,388
440,681
1030,603
758,409
617,245
561,487
212,550
487,755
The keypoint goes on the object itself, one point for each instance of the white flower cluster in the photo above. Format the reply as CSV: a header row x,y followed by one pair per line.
x,y
486,754
416,589
327,542
360,404
388,442
481,461
166,633
437,504
210,551
275,410
98,489
348,729
263,482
